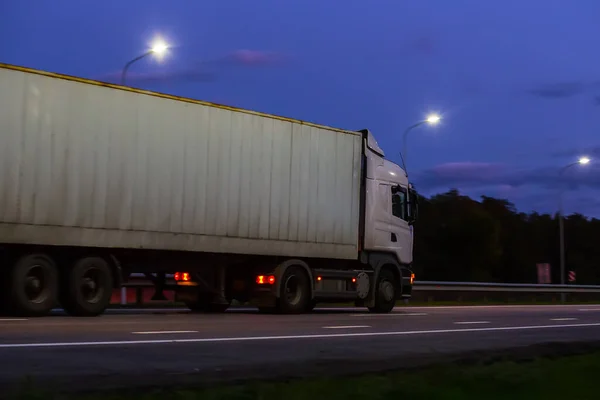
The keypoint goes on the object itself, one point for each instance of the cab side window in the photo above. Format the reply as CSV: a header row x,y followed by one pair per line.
x,y
399,206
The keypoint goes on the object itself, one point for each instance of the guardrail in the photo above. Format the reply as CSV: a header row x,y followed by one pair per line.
x,y
503,287
425,288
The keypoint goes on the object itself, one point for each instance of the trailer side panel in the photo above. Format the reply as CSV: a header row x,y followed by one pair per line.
x,y
89,165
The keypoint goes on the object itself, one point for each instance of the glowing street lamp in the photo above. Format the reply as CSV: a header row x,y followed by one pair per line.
x,y
431,119
158,49
561,223
583,161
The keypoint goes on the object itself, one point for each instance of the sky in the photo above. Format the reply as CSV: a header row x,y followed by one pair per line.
x,y
517,82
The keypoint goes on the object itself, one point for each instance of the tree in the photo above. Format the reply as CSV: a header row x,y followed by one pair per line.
x,y
460,239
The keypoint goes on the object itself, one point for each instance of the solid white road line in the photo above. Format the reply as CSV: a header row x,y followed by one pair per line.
x,y
589,309
388,315
396,309
471,322
161,332
291,337
563,319
346,327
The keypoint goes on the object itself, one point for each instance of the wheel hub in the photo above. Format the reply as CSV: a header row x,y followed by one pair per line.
x,y
292,292
387,290
91,290
35,288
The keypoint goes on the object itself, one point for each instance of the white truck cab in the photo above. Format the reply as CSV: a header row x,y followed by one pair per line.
x,y
390,205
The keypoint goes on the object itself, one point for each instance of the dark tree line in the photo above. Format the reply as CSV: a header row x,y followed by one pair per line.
x,y
460,239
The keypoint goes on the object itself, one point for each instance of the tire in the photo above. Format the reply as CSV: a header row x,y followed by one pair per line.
x,y
294,292
32,286
385,293
88,287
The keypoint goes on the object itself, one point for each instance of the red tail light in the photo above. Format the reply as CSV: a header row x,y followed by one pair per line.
x,y
182,277
265,279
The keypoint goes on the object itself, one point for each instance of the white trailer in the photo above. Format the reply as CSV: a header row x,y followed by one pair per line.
x,y
99,181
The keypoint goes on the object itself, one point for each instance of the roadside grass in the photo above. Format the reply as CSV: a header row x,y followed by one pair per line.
x,y
573,377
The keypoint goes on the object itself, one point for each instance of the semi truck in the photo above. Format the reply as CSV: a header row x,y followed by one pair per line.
x,y
101,181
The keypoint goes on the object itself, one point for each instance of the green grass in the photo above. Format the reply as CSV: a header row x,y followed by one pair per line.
x,y
573,377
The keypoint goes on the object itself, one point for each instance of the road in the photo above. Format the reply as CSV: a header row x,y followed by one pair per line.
x,y
161,346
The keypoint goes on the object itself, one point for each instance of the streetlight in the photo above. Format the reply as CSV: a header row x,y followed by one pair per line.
x,y
158,49
431,119
561,223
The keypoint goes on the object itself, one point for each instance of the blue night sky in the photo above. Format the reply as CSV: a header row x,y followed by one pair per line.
x,y
517,82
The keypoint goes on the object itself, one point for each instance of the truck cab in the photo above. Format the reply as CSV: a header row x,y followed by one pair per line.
x,y
390,205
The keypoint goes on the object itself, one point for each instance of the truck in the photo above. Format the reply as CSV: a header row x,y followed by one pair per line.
x,y
101,181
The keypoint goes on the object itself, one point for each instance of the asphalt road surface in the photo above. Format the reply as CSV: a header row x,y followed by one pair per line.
x,y
162,346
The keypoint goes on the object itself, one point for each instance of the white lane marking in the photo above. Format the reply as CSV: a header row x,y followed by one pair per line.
x,y
12,319
400,308
490,306
388,315
563,319
292,337
471,322
346,327
161,332
589,309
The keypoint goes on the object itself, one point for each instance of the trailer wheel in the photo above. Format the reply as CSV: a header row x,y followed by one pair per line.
x,y
294,295
33,286
385,292
88,287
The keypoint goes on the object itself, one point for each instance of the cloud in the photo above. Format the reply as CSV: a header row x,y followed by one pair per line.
x,y
590,151
155,77
479,175
204,71
248,58
558,90
563,90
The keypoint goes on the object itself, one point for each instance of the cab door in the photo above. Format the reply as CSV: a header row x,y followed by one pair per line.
x,y
401,237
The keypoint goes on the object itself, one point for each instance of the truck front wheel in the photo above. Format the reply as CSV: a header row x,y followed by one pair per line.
x,y
32,286
88,287
385,292
294,292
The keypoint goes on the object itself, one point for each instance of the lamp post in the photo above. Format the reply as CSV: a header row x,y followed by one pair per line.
x,y
432,119
561,223
158,49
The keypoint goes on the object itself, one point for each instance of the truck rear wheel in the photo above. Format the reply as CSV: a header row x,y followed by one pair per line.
x,y
32,286
88,287
294,292
385,292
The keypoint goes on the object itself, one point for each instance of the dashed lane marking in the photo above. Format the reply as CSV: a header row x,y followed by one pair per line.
x,y
389,315
347,327
472,322
162,332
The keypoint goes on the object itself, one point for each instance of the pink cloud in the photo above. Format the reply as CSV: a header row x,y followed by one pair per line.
x,y
478,174
204,71
467,169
